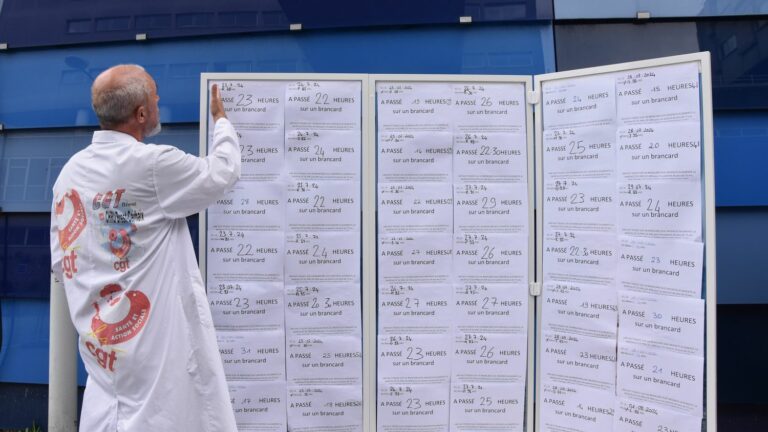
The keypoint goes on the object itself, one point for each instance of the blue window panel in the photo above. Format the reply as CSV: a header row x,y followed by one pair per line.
x,y
87,21
25,257
586,9
739,58
51,87
24,349
741,151
741,240
740,360
30,161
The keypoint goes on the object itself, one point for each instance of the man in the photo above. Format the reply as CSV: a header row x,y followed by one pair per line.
x,y
120,243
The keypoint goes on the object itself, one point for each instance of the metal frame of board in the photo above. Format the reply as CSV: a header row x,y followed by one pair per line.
x,y
534,128
708,208
527,81
368,160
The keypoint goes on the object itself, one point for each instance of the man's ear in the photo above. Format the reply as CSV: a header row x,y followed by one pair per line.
x,y
141,114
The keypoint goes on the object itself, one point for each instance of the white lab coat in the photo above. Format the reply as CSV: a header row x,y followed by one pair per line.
x,y
121,244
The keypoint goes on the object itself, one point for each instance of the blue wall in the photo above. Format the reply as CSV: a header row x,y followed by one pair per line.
x,y
56,49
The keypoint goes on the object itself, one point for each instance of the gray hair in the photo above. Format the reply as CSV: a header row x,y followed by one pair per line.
x,y
115,104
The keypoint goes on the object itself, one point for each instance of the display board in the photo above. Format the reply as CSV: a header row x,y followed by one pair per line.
x,y
626,215
455,252
283,251
378,267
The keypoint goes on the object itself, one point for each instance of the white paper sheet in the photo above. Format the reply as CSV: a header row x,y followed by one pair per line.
x,y
662,323
580,257
255,109
489,107
413,408
323,360
414,359
323,309
415,258
415,207
491,208
580,153
663,267
640,417
660,210
323,105
262,154
671,381
659,152
259,406
252,105
490,307
585,310
415,156
580,205
254,256
246,305
323,206
323,154
252,356
487,406
322,257
569,359
489,158
490,258
579,102
489,358
249,206
415,308
575,409
325,409
414,106
658,94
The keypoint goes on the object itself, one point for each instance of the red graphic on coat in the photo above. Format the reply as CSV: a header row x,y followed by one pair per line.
x,y
120,241
120,315
71,209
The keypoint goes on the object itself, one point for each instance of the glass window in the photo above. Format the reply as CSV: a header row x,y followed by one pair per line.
x,y
30,161
741,239
51,87
24,349
86,21
25,256
570,9
739,58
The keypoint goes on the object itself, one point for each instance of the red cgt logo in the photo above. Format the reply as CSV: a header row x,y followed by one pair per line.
x,y
119,315
71,209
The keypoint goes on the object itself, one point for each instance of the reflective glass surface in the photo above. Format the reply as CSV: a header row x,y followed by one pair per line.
x,y
739,52
741,240
25,257
30,161
24,349
571,9
741,152
68,22
51,87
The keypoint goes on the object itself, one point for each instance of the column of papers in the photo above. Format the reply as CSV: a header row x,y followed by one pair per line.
x,y
284,257
622,314
453,256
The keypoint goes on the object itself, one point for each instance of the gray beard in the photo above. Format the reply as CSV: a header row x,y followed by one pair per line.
x,y
156,130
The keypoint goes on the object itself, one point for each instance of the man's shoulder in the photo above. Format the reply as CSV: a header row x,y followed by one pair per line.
x,y
160,148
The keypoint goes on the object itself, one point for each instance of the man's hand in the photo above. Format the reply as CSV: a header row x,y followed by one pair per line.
x,y
217,106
